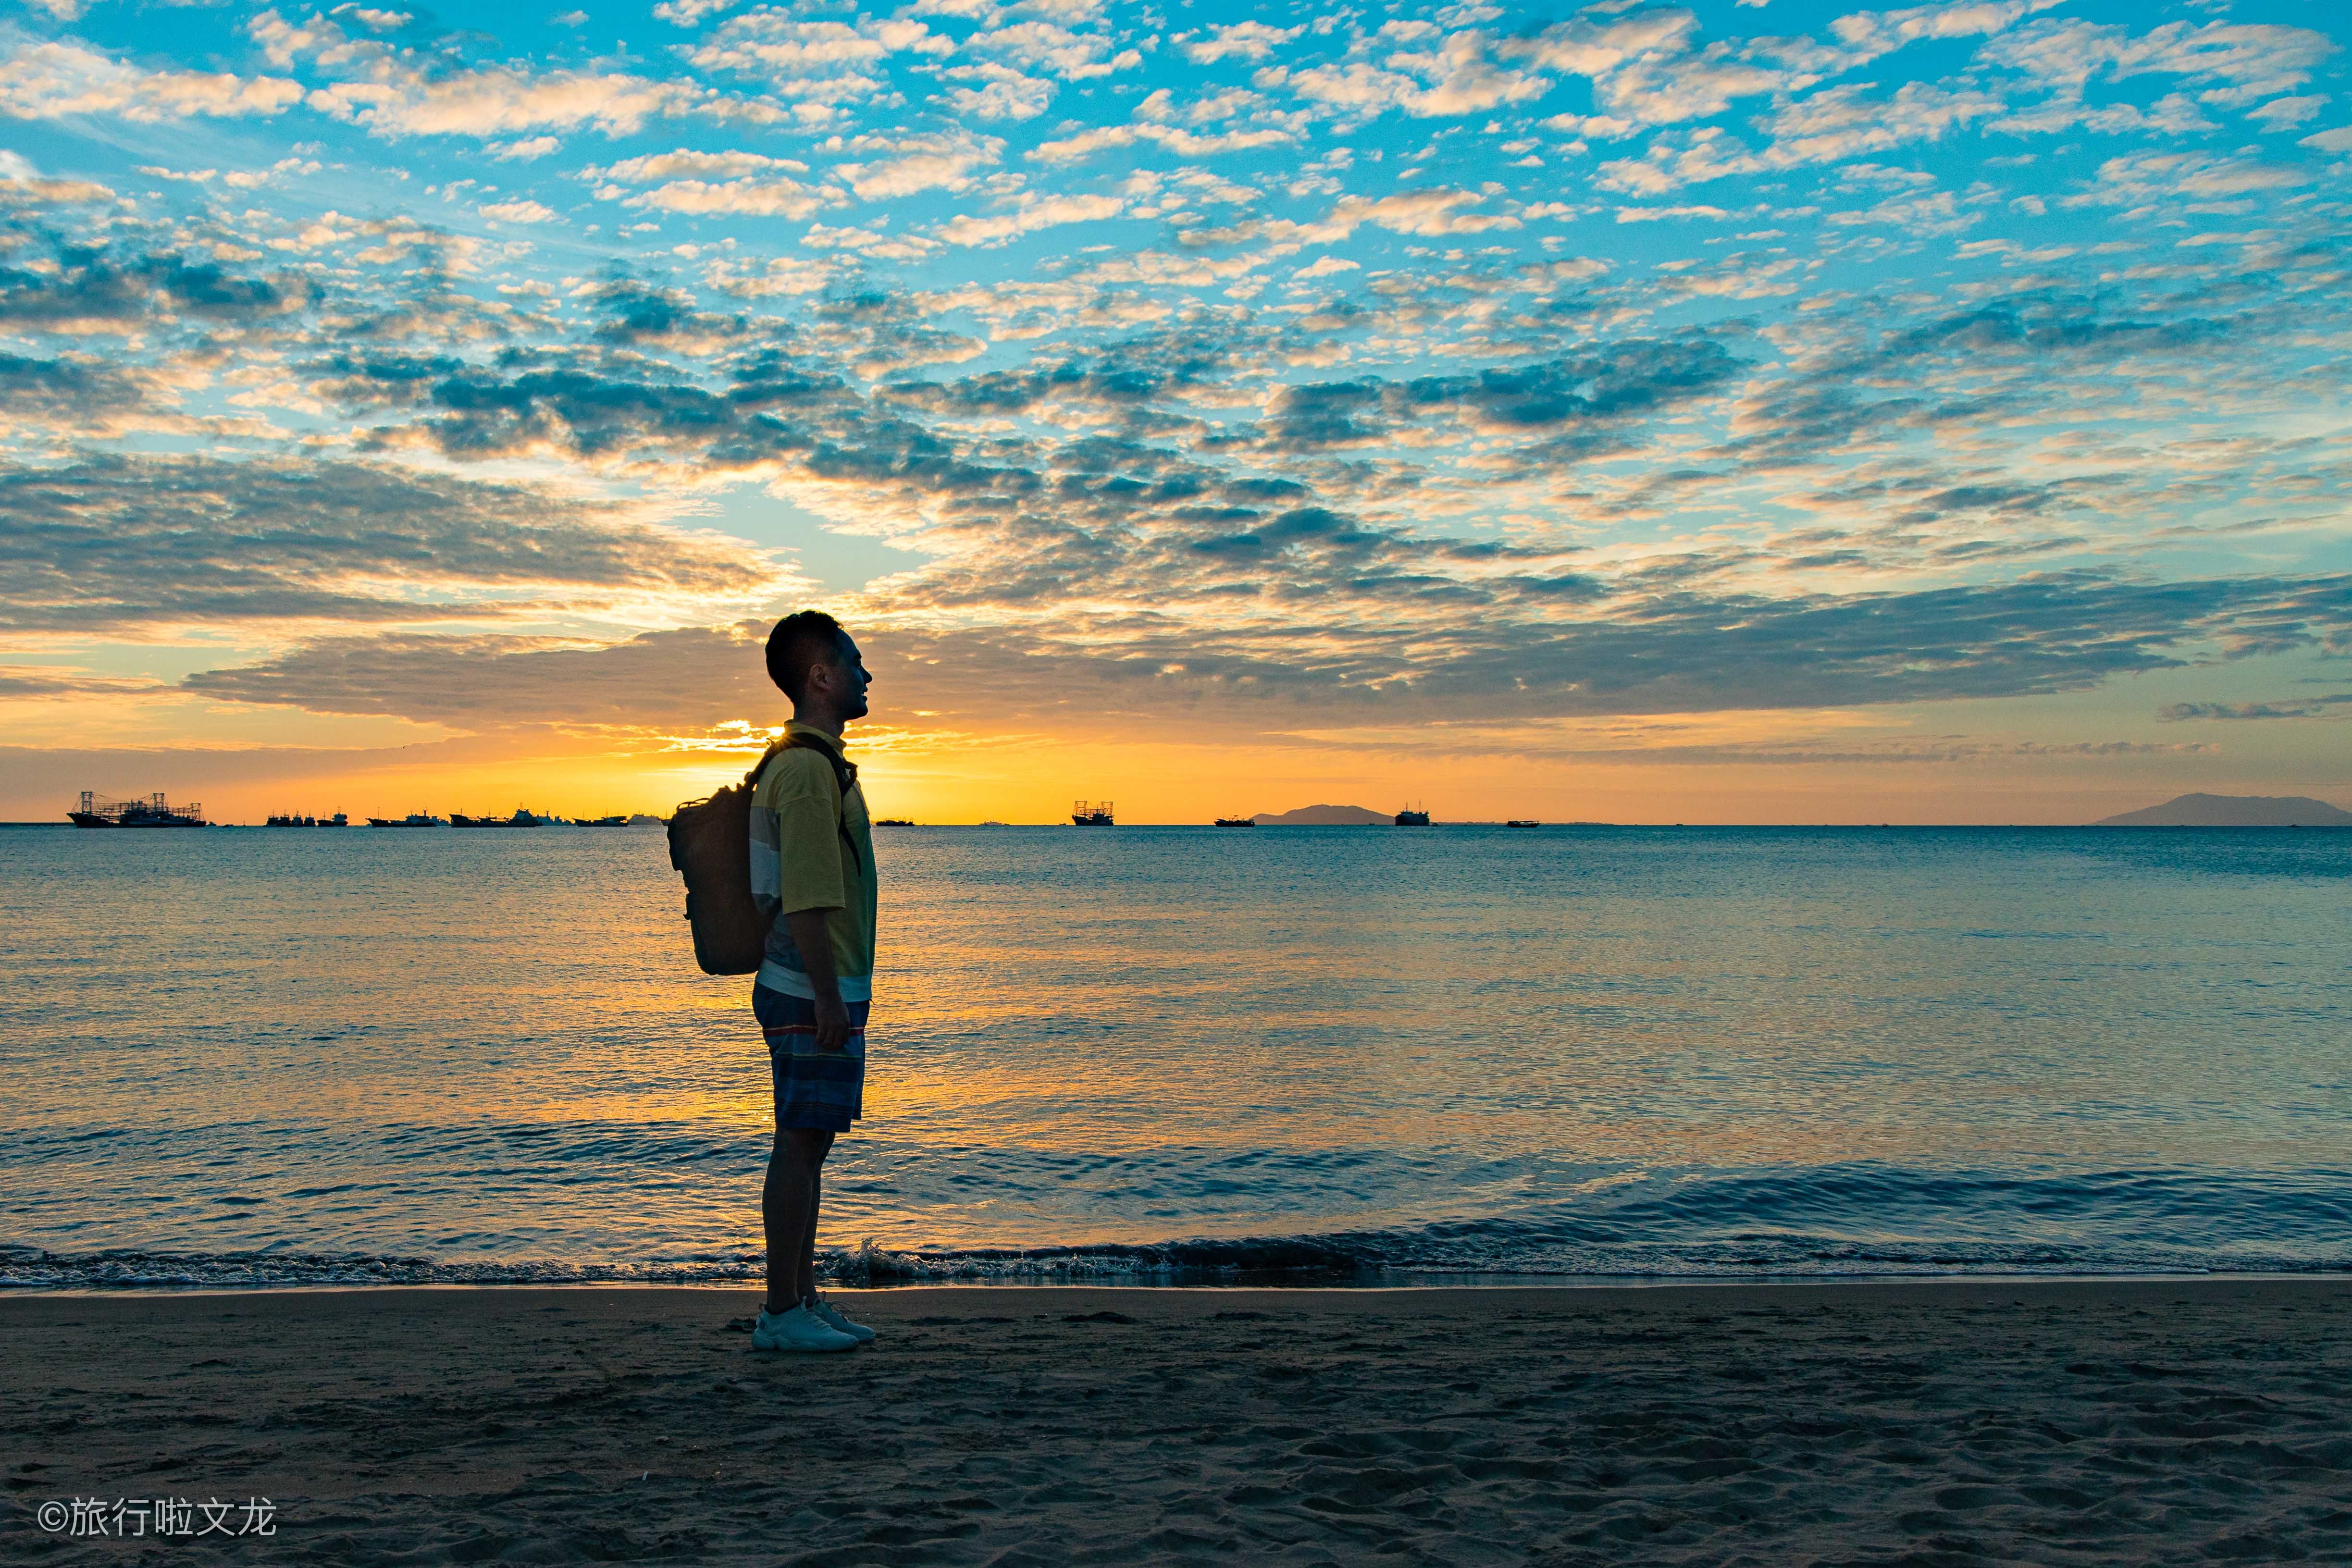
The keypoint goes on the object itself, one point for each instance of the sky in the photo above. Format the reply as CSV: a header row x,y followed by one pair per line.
x,y
1753,413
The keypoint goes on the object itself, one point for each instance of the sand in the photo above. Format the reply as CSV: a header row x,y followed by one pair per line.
x,y
2044,1423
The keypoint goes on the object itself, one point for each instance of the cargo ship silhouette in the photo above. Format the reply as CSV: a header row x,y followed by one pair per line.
x,y
153,813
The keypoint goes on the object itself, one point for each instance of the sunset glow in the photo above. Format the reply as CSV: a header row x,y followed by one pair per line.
x,y
1740,413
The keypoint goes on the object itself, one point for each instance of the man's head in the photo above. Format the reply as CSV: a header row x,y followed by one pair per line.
x,y
816,664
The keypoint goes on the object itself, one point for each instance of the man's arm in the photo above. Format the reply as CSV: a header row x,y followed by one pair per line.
x,y
816,943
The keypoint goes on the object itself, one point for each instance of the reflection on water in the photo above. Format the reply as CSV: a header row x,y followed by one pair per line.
x,y
1583,1050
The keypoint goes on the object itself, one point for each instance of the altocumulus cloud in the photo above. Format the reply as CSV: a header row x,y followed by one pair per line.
x,y
1324,377
1130,675
139,545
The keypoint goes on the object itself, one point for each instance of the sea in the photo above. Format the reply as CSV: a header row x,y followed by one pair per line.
x,y
1191,1056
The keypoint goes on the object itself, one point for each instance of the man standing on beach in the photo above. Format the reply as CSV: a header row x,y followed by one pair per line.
x,y
813,875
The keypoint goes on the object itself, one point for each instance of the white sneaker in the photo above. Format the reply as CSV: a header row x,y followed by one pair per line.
x,y
821,1310
798,1329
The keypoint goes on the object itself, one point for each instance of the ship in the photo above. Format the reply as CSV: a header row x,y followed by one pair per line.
x,y
292,820
1412,816
414,820
1523,822
604,821
1237,822
153,813
1091,814
894,822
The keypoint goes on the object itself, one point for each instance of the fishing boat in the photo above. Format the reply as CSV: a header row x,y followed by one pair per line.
x,y
1523,822
1091,814
1237,822
153,813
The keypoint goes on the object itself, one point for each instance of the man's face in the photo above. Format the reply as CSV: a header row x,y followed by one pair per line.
x,y
851,679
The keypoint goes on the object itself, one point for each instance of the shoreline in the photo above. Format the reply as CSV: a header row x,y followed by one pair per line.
x,y
1945,1420
1588,1282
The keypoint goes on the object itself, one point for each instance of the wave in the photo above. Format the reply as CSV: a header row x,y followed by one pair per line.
x,y
1840,1221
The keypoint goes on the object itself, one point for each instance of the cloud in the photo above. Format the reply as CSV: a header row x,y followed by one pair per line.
x,y
1518,649
1436,212
1626,381
777,197
1250,41
760,186
657,166
1003,93
1030,213
2243,62
1174,139
1454,467
395,92
1871,33
767,41
517,211
947,162
768,277
1455,78
54,193
2336,705
124,293
49,80
79,393
1830,126
137,546
2286,113
2142,177
1048,46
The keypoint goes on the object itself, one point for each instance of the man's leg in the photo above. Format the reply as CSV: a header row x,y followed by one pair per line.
x,y
805,1278
788,1210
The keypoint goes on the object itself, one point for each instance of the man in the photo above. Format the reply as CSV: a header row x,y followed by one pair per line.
x,y
813,874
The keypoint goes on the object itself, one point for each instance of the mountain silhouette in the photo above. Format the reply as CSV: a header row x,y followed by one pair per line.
x,y
2235,811
1326,817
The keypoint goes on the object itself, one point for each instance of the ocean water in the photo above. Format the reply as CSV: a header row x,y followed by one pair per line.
x,y
1153,1054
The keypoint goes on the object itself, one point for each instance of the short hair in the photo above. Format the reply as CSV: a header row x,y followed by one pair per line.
x,y
804,638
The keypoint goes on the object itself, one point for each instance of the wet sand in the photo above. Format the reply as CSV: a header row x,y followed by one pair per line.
x,y
2169,1421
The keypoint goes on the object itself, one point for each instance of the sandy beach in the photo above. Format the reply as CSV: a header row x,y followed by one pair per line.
x,y
2046,1422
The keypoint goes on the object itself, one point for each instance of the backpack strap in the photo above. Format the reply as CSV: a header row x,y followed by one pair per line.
x,y
844,775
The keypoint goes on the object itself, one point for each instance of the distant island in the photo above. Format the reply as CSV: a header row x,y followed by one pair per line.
x,y
2235,811
1326,817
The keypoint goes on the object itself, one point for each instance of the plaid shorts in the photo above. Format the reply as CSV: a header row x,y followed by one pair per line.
x,y
822,1090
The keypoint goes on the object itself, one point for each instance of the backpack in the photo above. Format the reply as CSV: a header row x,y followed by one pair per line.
x,y
711,845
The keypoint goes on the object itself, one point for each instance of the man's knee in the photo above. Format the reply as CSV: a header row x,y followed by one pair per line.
x,y
804,1147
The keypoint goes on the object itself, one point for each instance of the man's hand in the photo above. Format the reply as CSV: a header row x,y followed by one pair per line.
x,y
807,927
832,1024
